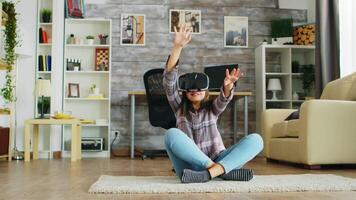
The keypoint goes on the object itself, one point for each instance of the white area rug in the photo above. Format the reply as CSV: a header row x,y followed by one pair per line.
x,y
271,183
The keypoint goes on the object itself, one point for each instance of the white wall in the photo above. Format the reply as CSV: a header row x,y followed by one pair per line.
x,y
347,37
26,65
300,4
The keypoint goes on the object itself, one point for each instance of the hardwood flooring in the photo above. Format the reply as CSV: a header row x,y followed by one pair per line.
x,y
61,179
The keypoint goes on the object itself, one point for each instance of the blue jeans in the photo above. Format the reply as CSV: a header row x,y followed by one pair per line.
x,y
185,154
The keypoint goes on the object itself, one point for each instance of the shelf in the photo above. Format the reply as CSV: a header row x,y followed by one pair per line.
x,y
44,72
277,74
297,74
3,65
46,24
279,100
87,72
88,45
95,125
4,111
86,99
288,46
4,156
45,44
4,18
91,20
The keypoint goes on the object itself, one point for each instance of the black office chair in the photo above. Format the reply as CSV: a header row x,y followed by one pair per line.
x,y
159,111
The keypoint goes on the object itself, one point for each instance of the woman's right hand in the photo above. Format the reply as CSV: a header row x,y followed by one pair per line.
x,y
183,36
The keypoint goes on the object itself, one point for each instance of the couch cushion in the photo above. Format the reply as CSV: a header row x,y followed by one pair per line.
x,y
293,128
352,92
279,130
286,129
286,149
338,89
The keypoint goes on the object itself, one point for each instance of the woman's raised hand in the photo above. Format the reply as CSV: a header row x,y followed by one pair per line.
x,y
232,77
183,36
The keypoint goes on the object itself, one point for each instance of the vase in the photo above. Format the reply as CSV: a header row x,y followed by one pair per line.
x,y
90,41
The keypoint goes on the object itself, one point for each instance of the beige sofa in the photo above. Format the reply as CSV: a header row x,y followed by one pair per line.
x,y
325,132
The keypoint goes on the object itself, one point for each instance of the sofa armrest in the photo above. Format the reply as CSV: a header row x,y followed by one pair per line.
x,y
328,131
269,118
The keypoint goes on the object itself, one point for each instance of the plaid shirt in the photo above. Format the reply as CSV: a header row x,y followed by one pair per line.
x,y
201,125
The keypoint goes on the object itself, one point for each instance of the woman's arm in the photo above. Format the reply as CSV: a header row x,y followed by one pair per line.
x,y
181,39
225,96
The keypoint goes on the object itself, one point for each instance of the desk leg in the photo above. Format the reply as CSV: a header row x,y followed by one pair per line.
x,y
246,115
27,142
35,141
79,142
73,153
132,126
235,120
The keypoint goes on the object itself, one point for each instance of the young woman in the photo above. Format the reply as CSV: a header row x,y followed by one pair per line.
x,y
195,147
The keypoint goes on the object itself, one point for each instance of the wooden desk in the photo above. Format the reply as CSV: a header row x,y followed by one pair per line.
x,y
237,95
75,141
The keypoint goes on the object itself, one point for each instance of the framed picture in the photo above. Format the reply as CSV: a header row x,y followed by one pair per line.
x,y
102,57
235,32
73,90
133,30
192,18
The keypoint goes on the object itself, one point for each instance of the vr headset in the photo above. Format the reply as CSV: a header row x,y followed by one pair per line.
x,y
193,82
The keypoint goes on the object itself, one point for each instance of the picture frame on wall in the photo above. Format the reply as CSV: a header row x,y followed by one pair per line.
x,y
133,30
73,90
235,32
192,18
102,56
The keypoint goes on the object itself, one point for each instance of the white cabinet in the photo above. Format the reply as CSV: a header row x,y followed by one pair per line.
x,y
275,62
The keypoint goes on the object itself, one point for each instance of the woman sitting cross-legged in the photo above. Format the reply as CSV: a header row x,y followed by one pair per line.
x,y
195,147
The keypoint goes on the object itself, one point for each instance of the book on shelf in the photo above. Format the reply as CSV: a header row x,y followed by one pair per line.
x,y
42,36
44,63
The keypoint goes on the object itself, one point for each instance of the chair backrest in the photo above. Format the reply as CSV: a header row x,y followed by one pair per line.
x,y
216,75
341,89
159,110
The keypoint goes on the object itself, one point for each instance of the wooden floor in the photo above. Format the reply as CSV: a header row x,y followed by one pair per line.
x,y
61,179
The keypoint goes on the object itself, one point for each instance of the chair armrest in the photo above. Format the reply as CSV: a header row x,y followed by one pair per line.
x,y
328,130
269,118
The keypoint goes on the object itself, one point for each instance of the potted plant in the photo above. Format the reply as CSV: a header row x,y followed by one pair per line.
x,y
282,31
11,41
308,79
46,105
94,89
90,39
102,38
46,15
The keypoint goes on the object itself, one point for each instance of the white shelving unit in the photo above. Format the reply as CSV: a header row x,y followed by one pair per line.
x,y
83,107
44,49
275,61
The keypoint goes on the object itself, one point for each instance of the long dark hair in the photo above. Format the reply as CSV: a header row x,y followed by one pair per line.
x,y
186,104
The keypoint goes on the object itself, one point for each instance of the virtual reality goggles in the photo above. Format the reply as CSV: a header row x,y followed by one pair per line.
x,y
193,82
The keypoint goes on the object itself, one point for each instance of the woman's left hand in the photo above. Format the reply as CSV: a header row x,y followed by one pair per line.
x,y
230,79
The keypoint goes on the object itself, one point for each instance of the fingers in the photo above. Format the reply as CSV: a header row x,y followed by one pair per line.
x,y
189,38
175,29
227,74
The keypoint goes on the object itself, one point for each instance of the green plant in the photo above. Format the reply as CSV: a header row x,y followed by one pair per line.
x,y
308,77
282,28
90,37
46,14
46,105
10,43
92,88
